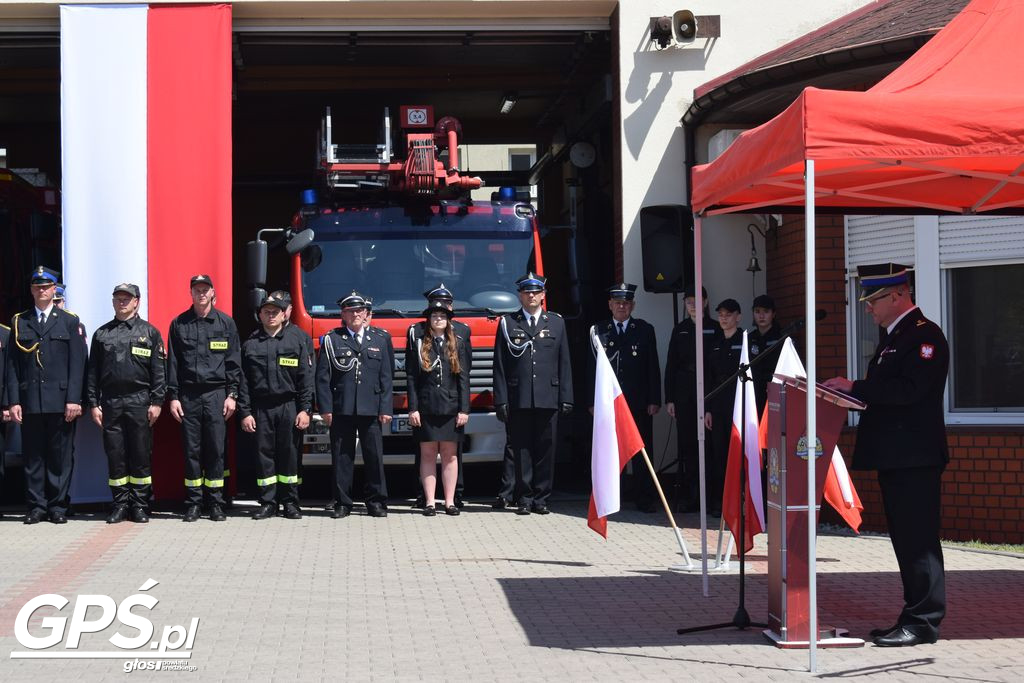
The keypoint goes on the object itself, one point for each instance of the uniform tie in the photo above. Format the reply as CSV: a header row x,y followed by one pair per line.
x,y
533,323
621,330
42,318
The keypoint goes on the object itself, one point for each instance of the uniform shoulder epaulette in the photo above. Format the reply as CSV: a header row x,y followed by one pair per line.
x,y
69,312
557,315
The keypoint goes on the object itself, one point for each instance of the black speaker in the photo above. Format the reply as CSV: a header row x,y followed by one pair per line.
x,y
666,236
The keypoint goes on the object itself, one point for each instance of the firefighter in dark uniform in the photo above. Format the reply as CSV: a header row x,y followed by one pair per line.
x,y
723,361
532,385
902,435
763,340
44,390
203,378
354,374
125,393
445,296
681,394
276,402
632,350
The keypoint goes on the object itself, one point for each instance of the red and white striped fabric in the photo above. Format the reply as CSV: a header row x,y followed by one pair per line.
x,y
146,158
616,440
744,452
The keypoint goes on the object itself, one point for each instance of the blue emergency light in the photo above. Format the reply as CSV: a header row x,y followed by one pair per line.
x,y
506,193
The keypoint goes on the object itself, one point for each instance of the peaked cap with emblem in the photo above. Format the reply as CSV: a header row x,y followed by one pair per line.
x,y
531,282
44,276
280,299
623,291
201,279
353,300
439,293
439,307
876,278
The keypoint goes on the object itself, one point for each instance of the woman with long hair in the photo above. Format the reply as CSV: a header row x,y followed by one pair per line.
x,y
438,379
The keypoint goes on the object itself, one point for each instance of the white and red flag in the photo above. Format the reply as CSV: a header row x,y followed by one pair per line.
x,y
839,490
146,166
745,453
616,440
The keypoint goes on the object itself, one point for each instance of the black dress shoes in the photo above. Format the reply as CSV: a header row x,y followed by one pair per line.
x,y
216,514
376,510
523,510
339,511
58,518
139,516
191,513
265,511
35,517
903,637
875,632
118,514
459,503
429,510
292,511
500,503
452,510
540,509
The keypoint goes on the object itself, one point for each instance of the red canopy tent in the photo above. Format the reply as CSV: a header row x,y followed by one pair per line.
x,y
944,133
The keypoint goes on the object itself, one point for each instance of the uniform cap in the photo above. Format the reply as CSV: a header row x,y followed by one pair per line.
x,y
280,299
764,301
437,306
59,292
354,300
201,280
623,290
127,288
44,276
439,292
531,282
876,278
730,305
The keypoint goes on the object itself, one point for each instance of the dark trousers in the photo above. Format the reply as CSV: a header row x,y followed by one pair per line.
x,y
278,443
688,472
911,498
534,432
47,455
640,483
344,430
128,442
715,459
507,488
203,433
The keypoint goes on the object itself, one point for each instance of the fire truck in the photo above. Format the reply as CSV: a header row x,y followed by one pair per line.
x,y
391,226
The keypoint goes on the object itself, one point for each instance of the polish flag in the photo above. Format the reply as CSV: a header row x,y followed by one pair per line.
x,y
839,490
745,454
146,166
616,440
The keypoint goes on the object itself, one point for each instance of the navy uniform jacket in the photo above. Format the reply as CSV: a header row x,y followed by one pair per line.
x,y
681,364
723,361
767,344
634,358
127,357
277,368
47,362
903,426
204,353
541,375
437,391
353,379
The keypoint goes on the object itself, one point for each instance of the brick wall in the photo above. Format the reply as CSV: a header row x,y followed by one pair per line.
x,y
983,486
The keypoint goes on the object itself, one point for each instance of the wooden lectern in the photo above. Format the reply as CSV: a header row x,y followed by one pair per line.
x,y
786,464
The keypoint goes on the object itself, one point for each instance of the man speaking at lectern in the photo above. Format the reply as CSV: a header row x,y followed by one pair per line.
x,y
902,435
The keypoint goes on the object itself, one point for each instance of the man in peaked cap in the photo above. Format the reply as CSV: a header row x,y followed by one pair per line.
x,y
125,393
532,385
902,435
44,390
354,377
203,378
441,294
632,350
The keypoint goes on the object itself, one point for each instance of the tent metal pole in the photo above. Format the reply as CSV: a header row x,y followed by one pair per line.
x,y
698,283
812,425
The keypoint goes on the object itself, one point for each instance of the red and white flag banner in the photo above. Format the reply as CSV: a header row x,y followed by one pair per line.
x,y
146,166
616,440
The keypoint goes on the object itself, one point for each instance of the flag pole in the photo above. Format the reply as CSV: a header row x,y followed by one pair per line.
x,y
668,510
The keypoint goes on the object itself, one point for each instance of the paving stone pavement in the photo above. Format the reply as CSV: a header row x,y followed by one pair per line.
x,y
484,596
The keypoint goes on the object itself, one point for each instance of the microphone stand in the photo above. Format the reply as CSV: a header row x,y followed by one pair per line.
x,y
741,619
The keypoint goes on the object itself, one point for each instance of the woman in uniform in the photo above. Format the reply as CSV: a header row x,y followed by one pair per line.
x,y
438,379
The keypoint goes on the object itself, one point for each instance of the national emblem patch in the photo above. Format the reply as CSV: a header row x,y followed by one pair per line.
x,y
927,351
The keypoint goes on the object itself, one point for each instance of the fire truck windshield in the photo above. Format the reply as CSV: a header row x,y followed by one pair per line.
x,y
395,267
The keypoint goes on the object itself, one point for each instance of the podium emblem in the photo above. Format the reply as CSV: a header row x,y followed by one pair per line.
x,y
774,470
801,448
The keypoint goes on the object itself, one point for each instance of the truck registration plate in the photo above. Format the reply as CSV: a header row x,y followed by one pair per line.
x,y
400,425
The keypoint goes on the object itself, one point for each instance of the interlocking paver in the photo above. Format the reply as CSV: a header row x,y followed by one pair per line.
x,y
476,597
